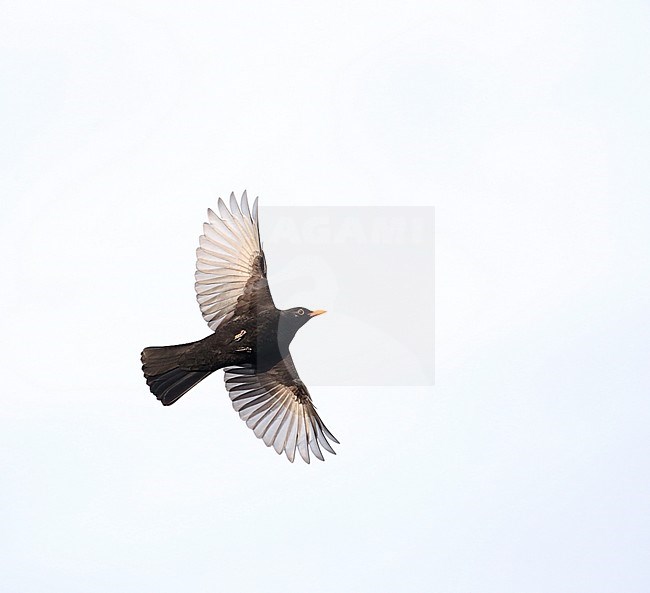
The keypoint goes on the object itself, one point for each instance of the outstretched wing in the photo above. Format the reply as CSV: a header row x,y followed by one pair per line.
x,y
277,406
230,265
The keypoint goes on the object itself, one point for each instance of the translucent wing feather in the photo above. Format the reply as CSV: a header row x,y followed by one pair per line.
x,y
277,406
230,264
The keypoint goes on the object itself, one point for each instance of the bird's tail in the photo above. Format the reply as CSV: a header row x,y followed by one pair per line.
x,y
166,379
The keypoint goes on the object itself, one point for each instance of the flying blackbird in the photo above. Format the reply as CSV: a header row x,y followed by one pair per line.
x,y
250,341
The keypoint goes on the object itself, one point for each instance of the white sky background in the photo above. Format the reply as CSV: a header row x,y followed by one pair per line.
x,y
525,124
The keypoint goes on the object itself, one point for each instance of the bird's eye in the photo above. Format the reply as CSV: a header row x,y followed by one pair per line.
x,y
301,311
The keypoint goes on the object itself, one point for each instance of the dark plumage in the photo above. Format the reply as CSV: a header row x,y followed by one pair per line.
x,y
250,341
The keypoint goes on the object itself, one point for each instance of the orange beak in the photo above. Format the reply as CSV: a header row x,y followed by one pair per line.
x,y
317,312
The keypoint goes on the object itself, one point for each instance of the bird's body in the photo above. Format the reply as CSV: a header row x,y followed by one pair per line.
x,y
250,341
244,339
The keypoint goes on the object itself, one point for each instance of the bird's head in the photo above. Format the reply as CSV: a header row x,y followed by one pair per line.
x,y
291,320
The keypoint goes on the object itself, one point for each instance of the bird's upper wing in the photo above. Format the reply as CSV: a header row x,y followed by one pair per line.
x,y
278,407
230,265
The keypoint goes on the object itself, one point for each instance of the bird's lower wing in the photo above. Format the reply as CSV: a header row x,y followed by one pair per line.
x,y
277,406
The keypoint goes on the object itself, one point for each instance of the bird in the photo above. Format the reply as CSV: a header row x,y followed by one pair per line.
x,y
250,339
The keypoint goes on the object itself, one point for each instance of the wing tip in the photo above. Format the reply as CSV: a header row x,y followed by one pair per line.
x,y
235,208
